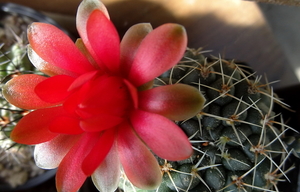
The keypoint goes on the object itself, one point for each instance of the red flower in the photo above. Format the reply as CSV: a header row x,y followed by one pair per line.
x,y
96,111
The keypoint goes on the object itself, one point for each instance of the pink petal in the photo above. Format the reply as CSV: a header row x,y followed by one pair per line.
x,y
19,91
104,40
100,122
139,164
176,102
65,125
44,66
159,51
48,155
34,127
56,48
130,43
106,176
83,13
163,136
99,152
69,176
54,89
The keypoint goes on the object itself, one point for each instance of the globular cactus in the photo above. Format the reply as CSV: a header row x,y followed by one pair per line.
x,y
238,140
16,161
13,61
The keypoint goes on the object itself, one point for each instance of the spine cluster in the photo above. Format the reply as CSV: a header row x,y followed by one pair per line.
x,y
239,141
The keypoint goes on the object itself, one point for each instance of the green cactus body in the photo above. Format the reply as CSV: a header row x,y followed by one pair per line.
x,y
237,138
13,61
16,162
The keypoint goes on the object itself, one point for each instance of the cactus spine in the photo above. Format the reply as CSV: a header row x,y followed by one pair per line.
x,y
238,140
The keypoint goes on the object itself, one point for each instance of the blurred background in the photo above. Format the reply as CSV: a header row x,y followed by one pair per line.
x,y
265,36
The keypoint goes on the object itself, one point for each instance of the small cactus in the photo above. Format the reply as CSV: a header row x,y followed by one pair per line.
x,y
13,62
16,161
238,140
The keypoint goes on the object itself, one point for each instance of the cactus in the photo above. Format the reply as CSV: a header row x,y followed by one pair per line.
x,y
13,62
238,140
16,161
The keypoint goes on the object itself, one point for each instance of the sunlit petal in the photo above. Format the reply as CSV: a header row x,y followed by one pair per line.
x,y
64,54
85,8
19,91
48,155
106,176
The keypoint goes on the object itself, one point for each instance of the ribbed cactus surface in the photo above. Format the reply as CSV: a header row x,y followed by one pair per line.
x,y
238,140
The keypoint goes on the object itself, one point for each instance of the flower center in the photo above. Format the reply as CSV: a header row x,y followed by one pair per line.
x,y
102,102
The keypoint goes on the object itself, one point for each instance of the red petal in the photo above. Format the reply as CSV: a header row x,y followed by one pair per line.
x,y
106,176
99,152
54,89
72,102
107,87
111,96
48,155
158,52
19,91
130,43
56,48
69,176
82,47
84,10
100,122
65,125
176,102
34,127
82,79
104,40
163,136
138,162
44,66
